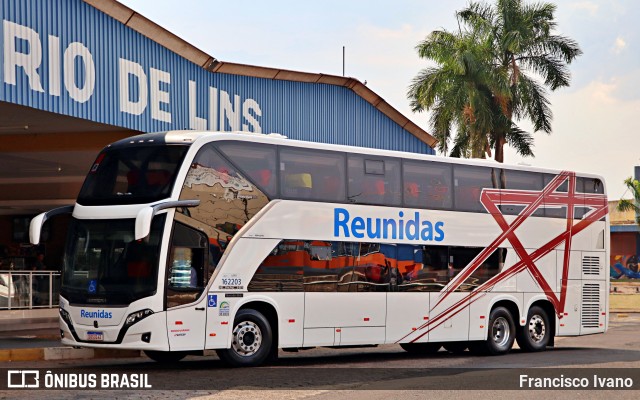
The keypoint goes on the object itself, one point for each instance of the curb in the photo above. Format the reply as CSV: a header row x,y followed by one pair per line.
x,y
64,353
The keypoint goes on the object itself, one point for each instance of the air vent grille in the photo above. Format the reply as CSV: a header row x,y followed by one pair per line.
x,y
591,265
591,305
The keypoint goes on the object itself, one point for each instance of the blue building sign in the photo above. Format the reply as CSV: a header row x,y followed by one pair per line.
x,y
67,57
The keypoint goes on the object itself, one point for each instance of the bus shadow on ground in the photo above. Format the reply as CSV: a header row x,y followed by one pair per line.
x,y
553,357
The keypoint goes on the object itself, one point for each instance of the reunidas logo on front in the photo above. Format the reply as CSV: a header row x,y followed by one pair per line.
x,y
96,314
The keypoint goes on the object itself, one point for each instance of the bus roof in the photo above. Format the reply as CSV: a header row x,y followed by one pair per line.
x,y
191,137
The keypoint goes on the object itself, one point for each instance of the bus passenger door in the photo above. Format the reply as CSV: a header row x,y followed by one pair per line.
x,y
186,279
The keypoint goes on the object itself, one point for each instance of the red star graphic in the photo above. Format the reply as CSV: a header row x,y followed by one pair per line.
x,y
532,200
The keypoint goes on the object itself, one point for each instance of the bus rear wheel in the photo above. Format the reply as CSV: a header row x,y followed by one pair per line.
x,y
165,357
535,335
421,348
501,334
251,340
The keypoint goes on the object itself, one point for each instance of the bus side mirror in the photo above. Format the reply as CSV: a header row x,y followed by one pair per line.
x,y
143,222
35,227
145,216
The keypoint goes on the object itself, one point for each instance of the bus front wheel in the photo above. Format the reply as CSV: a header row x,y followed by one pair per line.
x,y
535,335
165,357
251,340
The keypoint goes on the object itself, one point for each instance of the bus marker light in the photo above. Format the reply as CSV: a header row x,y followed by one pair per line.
x,y
212,334
601,324
291,321
482,317
425,318
178,322
338,330
366,319
561,324
414,329
225,322
566,313
604,313
481,326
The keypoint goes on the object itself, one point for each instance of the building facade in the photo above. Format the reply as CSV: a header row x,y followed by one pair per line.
x,y
76,75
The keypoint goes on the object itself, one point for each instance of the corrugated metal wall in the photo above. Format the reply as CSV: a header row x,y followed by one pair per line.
x,y
71,36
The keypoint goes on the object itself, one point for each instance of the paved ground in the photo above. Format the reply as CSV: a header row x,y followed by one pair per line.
x,y
366,373
30,339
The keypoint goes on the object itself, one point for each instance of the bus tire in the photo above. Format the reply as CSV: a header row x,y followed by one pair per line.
x,y
251,340
165,357
456,347
421,348
501,333
535,335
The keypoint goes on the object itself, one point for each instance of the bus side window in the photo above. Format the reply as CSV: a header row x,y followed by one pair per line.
x,y
258,161
468,184
427,184
374,180
312,174
520,180
186,269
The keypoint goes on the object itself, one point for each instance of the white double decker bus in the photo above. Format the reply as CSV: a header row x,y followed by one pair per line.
x,y
182,242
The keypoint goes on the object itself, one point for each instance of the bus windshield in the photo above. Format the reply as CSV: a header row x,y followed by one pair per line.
x,y
132,175
104,265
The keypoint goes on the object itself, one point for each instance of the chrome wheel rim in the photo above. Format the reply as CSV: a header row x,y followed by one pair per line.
x,y
537,329
247,338
500,331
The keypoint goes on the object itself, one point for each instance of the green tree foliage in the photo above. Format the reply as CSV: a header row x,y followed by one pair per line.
x,y
625,205
493,71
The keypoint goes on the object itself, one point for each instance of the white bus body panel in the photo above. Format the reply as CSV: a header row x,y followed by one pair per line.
x,y
344,312
406,312
186,326
453,327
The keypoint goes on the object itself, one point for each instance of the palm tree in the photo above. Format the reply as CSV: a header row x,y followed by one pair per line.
x,y
514,45
624,205
458,91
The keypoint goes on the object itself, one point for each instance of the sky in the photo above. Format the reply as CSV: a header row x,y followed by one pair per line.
x,y
596,121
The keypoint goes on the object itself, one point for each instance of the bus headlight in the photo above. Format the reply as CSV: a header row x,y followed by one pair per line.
x,y
65,316
137,316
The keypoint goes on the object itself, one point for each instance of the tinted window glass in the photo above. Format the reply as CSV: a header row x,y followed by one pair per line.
x,y
422,268
547,178
186,277
519,180
592,185
282,270
312,175
257,161
372,268
588,186
228,199
427,185
555,210
468,183
461,257
102,260
374,180
132,175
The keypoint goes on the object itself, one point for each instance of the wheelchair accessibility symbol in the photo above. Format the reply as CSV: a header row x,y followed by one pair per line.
x,y
93,285
212,300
